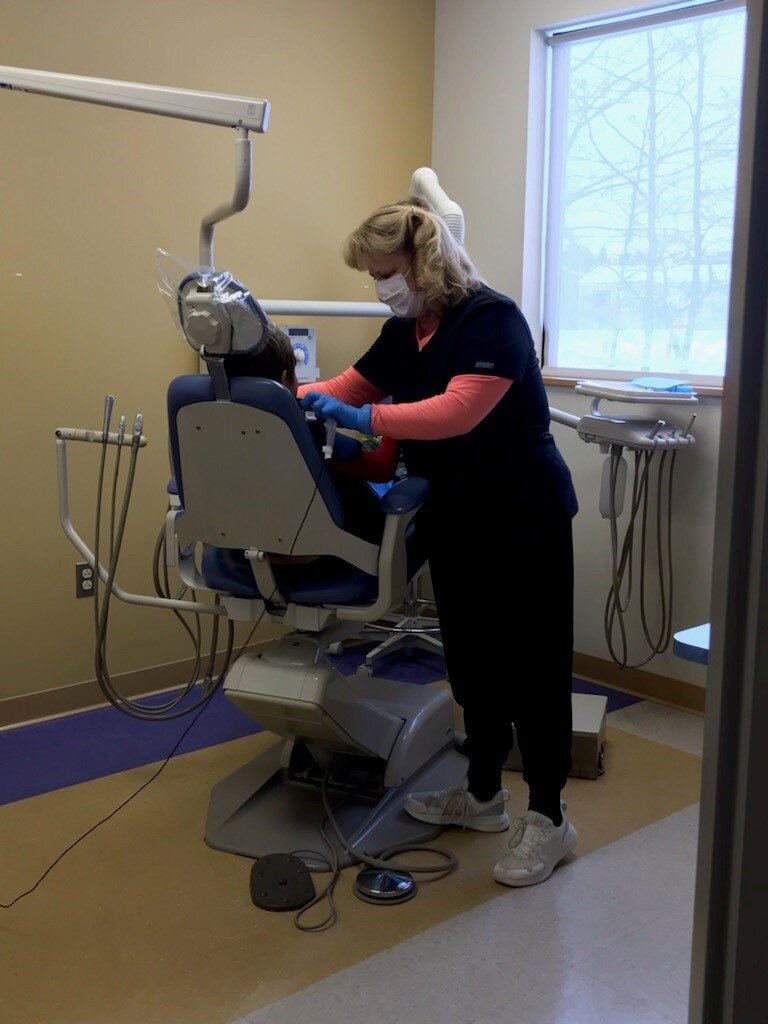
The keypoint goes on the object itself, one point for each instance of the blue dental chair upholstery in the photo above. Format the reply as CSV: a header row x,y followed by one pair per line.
x,y
327,580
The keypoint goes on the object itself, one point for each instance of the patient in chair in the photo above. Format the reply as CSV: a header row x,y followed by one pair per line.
x,y
352,467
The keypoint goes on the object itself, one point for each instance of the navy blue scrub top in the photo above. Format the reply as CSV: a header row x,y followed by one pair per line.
x,y
512,448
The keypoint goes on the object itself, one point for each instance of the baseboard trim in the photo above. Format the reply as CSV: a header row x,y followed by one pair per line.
x,y
675,693
68,700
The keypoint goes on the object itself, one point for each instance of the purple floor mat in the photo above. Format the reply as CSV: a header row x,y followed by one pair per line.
x,y
44,756
616,699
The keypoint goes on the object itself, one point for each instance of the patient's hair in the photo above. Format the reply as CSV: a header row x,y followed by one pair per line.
x,y
442,270
275,359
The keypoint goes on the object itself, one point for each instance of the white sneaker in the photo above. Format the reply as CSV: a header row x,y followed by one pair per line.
x,y
535,849
457,806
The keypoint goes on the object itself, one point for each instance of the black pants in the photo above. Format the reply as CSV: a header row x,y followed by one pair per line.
x,y
503,583
362,508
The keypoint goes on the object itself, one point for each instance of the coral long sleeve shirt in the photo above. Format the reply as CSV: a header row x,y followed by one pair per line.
x,y
468,400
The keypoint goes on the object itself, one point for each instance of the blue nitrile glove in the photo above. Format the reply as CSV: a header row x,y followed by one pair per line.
x,y
325,406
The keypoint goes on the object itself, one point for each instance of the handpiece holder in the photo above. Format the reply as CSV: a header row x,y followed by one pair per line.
x,y
109,404
120,438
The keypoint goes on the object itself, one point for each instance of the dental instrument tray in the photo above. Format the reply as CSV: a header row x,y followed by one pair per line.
x,y
626,391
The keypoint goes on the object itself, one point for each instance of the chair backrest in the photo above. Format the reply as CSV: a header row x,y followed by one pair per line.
x,y
250,475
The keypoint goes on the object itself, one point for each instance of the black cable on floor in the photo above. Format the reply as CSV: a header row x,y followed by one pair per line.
x,y
7,906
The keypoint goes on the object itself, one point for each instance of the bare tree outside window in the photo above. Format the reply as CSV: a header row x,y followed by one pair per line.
x,y
643,146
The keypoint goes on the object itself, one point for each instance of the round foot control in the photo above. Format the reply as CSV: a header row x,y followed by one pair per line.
x,y
373,885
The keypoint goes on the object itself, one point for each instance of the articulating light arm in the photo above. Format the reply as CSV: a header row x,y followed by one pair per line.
x,y
187,104
238,202
238,112
424,183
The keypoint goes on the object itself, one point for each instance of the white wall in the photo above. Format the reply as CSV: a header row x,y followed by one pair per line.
x,y
484,111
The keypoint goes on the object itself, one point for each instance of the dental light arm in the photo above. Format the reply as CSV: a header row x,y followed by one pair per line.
x,y
238,202
424,183
238,112
186,104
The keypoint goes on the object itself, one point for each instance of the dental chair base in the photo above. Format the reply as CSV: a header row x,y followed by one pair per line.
x,y
373,741
260,809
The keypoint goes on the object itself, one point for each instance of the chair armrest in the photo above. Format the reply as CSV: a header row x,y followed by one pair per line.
x,y
401,504
405,496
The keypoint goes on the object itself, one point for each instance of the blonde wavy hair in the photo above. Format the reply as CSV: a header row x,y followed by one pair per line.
x,y
442,270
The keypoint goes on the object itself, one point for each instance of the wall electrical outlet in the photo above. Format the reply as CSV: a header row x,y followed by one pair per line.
x,y
83,580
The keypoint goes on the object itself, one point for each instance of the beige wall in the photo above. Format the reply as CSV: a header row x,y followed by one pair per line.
x,y
86,194
484,110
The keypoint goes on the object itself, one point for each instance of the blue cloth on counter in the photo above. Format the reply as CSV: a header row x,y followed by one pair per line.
x,y
662,384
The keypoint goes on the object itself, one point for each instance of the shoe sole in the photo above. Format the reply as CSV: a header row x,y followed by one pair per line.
x,y
497,823
518,883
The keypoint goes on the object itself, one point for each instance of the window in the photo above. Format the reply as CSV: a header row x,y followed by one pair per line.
x,y
642,152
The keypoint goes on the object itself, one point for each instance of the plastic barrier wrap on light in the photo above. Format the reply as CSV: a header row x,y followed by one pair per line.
x,y
212,311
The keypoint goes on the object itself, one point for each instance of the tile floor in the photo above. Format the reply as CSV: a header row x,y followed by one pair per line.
x,y
677,729
607,939
586,947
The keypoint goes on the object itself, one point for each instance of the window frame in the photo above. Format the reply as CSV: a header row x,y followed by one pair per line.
x,y
545,165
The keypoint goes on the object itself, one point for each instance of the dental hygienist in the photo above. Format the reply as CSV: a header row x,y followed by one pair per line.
x,y
470,410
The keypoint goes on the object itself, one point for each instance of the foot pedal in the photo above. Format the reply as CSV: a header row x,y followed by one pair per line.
x,y
281,882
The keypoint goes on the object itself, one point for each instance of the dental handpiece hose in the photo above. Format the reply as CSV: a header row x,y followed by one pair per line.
x,y
113,506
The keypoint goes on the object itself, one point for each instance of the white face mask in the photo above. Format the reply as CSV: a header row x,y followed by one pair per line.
x,y
394,291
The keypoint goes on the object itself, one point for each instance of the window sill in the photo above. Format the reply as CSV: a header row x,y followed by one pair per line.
x,y
702,390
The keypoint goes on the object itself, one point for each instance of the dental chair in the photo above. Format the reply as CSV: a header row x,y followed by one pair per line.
x,y
252,483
